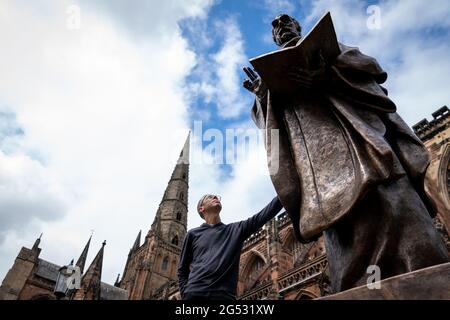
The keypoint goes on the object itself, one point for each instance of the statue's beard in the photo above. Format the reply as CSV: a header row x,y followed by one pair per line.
x,y
286,35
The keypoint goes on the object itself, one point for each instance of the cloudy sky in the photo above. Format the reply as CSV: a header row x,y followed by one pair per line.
x,y
97,97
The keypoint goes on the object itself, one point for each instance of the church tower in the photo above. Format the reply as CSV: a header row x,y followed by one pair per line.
x,y
154,263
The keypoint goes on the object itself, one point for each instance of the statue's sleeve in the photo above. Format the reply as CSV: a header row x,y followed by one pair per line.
x,y
352,60
259,111
357,77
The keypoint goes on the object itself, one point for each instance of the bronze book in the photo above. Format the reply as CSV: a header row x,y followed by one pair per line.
x,y
274,66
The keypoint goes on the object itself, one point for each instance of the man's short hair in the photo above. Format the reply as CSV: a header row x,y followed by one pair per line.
x,y
199,204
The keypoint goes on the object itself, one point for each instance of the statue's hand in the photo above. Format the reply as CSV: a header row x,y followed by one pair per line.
x,y
254,83
311,79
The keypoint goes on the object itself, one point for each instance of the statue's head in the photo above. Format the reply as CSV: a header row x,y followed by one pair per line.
x,y
284,29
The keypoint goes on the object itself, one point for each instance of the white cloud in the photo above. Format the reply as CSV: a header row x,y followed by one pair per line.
x,y
100,109
27,194
230,59
275,7
219,73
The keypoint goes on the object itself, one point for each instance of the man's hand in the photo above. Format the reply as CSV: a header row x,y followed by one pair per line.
x,y
254,83
310,79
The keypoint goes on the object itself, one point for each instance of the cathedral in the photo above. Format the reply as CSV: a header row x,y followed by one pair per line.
x,y
273,264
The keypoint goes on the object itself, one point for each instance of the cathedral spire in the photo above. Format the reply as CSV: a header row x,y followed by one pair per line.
x,y
136,245
185,152
137,242
170,221
82,259
97,263
36,243
91,281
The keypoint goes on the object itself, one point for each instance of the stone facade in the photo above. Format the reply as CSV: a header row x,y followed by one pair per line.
x,y
33,278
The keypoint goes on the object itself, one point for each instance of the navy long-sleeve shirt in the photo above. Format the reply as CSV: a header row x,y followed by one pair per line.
x,y
210,254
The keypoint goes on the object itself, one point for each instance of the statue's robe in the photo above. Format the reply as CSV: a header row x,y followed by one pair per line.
x,y
349,167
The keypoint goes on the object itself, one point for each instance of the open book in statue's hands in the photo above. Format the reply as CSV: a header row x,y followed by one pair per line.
x,y
278,68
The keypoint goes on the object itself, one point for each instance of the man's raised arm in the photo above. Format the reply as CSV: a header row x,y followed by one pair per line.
x,y
252,224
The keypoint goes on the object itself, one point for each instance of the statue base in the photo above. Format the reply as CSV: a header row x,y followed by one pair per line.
x,y
432,283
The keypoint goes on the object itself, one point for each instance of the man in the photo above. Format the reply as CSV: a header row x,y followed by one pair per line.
x,y
348,165
209,263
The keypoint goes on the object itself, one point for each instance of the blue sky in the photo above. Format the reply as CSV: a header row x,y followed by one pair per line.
x,y
97,97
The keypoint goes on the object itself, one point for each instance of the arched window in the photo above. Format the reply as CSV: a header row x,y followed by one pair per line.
x,y
181,196
253,271
165,263
175,240
257,265
184,176
179,216
294,247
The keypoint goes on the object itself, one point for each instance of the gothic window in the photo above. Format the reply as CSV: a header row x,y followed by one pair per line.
x,y
254,271
294,247
165,264
184,175
257,265
179,216
181,196
175,240
174,268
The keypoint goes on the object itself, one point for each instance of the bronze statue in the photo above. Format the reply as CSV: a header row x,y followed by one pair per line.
x,y
349,167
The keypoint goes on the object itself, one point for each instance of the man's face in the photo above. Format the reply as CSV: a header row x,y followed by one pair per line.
x,y
212,203
284,29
